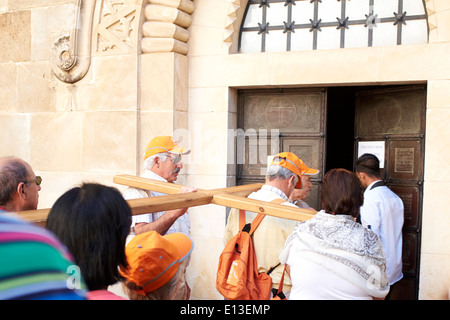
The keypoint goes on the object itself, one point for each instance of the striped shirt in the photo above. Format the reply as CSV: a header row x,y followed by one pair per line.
x,y
35,265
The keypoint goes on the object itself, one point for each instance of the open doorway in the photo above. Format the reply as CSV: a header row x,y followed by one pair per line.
x,y
326,127
340,128
392,119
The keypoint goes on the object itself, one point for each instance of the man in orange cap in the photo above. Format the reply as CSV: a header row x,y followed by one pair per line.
x,y
162,162
283,176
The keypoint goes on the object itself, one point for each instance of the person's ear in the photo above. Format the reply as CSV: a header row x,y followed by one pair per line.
x,y
21,190
291,182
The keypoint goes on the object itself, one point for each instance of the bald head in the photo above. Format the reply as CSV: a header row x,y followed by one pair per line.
x,y
18,192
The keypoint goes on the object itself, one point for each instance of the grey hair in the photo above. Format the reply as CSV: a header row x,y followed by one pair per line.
x,y
12,172
150,161
279,172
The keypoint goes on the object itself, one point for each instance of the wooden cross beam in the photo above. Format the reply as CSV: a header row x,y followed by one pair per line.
x,y
233,197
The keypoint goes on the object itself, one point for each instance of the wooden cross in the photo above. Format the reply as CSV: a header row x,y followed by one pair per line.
x,y
233,197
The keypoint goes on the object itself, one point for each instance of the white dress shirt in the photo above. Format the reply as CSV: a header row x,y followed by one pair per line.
x,y
383,212
182,224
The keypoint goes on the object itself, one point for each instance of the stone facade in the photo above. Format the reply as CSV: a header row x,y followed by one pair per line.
x,y
178,71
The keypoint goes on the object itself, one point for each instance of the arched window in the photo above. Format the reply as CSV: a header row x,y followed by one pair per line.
x,y
293,25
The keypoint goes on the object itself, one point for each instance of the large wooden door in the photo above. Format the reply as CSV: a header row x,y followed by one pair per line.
x,y
393,120
272,121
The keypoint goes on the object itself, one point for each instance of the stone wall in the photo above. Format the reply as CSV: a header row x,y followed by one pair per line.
x,y
150,75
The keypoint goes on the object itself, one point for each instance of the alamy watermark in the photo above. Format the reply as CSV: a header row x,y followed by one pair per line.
x,y
238,146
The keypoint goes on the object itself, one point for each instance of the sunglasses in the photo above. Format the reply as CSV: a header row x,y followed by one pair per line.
x,y
175,159
38,180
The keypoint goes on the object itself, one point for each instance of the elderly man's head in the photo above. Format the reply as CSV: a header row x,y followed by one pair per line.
x,y
166,165
286,171
19,185
157,155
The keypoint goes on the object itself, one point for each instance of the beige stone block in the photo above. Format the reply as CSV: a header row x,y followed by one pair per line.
x,y
208,99
159,29
26,4
3,6
34,93
207,40
435,222
55,141
157,83
15,35
207,221
47,24
201,273
441,5
434,277
184,5
181,121
55,184
155,123
324,66
438,94
443,24
209,141
415,62
109,141
211,13
181,82
15,135
112,84
8,87
164,82
437,152
154,12
229,70
158,45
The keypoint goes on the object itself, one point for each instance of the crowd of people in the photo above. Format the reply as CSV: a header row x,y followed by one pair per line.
x,y
350,249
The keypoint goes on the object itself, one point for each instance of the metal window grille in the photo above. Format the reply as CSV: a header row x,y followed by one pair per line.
x,y
292,25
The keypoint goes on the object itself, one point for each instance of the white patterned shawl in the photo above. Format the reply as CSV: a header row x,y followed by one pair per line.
x,y
343,247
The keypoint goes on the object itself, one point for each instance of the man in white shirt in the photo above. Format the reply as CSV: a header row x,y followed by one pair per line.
x,y
383,213
283,176
162,162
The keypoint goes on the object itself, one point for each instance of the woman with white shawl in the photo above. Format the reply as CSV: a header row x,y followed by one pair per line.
x,y
331,256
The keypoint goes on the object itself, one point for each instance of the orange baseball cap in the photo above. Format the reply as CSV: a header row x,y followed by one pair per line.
x,y
154,259
293,163
164,144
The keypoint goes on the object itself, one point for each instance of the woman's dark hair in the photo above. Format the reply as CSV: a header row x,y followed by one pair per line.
x,y
341,193
93,221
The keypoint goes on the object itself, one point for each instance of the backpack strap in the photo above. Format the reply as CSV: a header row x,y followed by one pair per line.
x,y
249,227
255,223
278,294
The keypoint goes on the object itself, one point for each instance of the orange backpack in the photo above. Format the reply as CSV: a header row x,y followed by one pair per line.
x,y
237,274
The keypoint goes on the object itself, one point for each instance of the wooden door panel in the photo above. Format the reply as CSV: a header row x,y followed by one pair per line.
x,y
396,115
404,160
289,112
388,112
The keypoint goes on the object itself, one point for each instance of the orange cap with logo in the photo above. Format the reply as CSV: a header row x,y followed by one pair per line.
x,y
154,259
293,163
164,144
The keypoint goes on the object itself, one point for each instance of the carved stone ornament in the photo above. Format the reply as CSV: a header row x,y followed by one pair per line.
x,y
71,53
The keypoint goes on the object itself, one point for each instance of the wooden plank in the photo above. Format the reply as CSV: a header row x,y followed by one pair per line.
x,y
169,202
234,197
147,184
38,217
268,208
171,188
